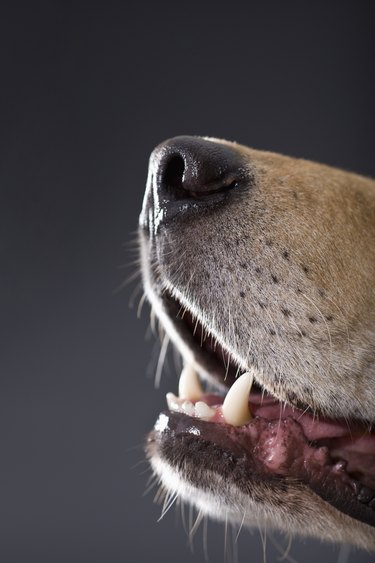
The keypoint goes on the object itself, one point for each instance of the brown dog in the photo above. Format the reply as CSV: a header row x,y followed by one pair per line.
x,y
264,265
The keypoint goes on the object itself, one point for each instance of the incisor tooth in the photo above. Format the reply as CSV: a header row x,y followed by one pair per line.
x,y
235,408
188,408
202,410
189,386
172,402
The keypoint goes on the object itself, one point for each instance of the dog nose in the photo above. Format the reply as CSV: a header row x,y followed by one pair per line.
x,y
189,175
192,167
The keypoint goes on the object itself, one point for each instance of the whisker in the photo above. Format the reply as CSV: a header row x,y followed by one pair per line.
x,y
263,536
183,518
149,488
134,293
191,545
138,463
196,524
136,262
344,554
234,546
160,494
226,536
153,318
241,526
161,360
140,304
127,281
205,534
168,503
284,552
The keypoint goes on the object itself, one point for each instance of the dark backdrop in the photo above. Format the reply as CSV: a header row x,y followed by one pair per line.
x,y
87,90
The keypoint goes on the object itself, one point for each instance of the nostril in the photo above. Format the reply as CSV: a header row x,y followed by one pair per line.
x,y
192,174
192,168
174,172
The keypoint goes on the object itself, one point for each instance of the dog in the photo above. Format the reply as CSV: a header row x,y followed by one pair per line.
x,y
261,271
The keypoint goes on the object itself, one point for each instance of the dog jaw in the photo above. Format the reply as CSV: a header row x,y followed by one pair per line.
x,y
295,510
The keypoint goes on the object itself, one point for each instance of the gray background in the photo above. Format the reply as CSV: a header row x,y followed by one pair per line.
x,y
87,90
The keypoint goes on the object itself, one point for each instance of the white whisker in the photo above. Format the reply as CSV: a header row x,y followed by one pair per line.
x,y
196,524
168,503
161,360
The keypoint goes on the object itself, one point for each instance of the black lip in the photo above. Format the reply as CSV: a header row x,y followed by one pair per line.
x,y
206,446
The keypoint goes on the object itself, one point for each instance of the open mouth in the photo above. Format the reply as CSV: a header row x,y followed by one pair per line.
x,y
242,424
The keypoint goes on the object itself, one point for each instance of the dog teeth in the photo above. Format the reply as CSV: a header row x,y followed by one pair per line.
x,y
188,408
202,410
173,402
189,386
235,408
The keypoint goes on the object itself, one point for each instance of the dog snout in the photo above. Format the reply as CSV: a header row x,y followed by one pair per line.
x,y
188,174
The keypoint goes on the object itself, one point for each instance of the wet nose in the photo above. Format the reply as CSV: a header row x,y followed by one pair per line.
x,y
190,175
192,172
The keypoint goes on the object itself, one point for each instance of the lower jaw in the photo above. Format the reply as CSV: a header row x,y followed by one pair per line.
x,y
272,451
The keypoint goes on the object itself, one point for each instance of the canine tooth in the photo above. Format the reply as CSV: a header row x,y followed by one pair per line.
x,y
189,386
202,410
235,408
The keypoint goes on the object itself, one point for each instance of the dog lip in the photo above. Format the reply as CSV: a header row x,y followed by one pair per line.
x,y
242,452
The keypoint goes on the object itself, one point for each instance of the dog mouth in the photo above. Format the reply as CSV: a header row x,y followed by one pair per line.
x,y
254,436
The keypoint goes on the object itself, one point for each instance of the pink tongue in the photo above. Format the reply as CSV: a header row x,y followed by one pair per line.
x,y
352,443
267,407
314,429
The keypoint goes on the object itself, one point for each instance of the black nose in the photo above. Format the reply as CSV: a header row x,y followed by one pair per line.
x,y
191,173
195,167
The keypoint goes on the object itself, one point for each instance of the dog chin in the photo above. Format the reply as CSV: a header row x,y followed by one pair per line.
x,y
224,502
